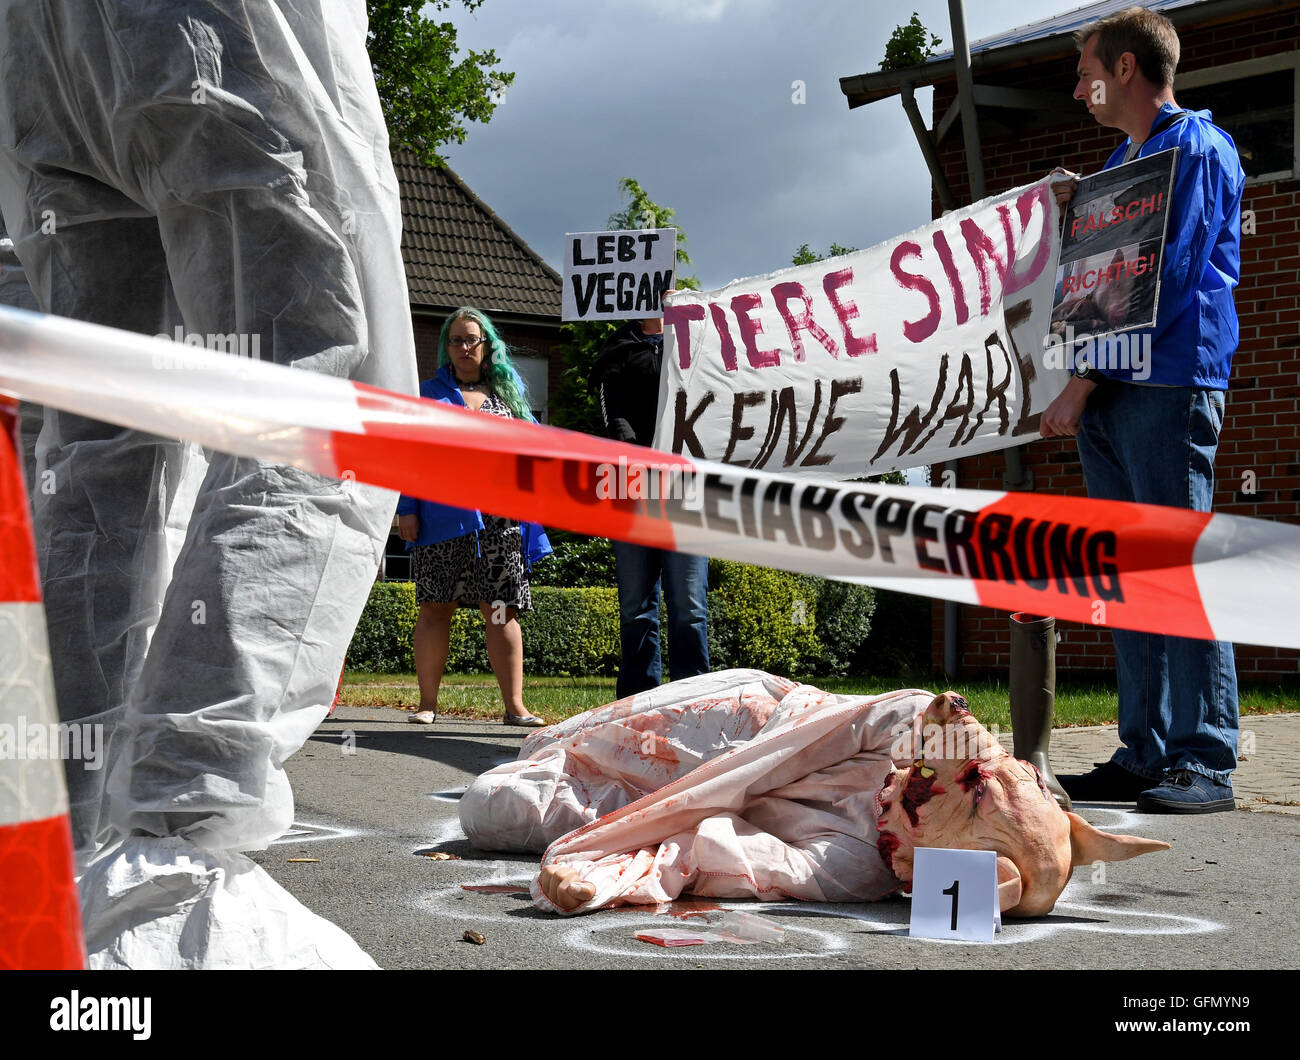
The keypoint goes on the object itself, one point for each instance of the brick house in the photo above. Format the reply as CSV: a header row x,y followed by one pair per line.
x,y
1241,60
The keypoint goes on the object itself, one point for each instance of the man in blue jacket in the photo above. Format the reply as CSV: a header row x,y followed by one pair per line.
x,y
1151,438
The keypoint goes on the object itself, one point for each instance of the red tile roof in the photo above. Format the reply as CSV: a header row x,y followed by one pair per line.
x,y
458,252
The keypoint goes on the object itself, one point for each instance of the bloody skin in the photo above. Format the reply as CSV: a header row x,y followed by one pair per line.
x,y
978,797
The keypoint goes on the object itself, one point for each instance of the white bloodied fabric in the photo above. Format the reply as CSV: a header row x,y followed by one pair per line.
x,y
773,797
568,775
218,172
740,784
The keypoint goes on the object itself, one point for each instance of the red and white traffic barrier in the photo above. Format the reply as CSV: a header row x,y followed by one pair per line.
x,y
1108,563
40,918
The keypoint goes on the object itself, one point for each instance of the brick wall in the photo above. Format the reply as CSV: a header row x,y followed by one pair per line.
x,y
1258,467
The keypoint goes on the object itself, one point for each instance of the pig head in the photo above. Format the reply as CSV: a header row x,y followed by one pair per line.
x,y
962,790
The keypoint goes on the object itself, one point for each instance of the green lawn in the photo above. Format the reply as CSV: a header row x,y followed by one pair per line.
x,y
556,698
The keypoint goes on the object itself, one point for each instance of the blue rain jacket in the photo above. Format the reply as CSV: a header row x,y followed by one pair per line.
x,y
1196,325
442,522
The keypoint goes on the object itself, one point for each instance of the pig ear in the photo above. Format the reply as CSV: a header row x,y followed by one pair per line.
x,y
945,706
1009,884
937,710
1088,845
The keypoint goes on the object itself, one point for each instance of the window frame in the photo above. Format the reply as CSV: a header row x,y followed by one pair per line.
x,y
1268,64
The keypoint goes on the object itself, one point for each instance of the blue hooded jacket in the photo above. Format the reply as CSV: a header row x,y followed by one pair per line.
x,y
442,522
1196,326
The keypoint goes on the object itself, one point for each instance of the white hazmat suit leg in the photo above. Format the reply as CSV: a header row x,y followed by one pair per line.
x,y
15,292
220,167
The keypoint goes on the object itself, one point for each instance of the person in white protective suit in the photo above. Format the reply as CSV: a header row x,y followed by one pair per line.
x,y
219,167
14,291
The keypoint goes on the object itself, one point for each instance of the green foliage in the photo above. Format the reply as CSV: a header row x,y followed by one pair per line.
x,y
569,632
762,618
900,636
770,619
468,654
907,46
574,405
844,621
382,641
805,255
642,211
424,91
572,632
578,561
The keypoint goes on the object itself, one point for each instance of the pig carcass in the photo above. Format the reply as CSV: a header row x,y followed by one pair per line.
x,y
743,784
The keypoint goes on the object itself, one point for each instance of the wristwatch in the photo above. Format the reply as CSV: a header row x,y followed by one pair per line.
x,y
1083,369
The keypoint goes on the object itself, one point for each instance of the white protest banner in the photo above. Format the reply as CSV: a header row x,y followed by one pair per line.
x,y
921,349
618,275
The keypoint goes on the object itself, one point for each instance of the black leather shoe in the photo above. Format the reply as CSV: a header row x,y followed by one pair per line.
x,y
1107,783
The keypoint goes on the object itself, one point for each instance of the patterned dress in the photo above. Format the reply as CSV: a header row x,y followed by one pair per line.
x,y
482,567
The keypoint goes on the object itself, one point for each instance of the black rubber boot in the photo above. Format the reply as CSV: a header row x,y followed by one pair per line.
x,y
1033,694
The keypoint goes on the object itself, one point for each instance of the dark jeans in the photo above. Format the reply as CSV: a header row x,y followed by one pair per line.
x,y
1177,696
685,583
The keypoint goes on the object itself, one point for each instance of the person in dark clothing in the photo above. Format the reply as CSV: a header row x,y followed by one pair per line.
x,y
626,383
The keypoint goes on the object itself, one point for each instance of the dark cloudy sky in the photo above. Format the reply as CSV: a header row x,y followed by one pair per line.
x,y
693,98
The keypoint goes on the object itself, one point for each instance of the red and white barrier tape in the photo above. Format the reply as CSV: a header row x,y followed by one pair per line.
x,y
1102,562
40,919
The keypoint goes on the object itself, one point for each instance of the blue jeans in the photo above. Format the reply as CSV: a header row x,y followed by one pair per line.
x,y
686,584
1177,696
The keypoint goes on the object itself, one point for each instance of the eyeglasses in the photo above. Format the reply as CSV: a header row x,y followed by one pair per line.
x,y
466,344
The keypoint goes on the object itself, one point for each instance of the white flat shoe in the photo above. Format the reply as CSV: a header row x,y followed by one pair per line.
x,y
527,721
424,717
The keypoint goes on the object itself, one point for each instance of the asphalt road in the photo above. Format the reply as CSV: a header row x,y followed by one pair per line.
x,y
376,794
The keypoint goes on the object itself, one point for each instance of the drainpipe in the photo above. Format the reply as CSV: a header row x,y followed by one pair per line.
x,y
951,612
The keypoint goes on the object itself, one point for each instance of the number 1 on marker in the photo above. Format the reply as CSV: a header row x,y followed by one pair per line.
x,y
953,890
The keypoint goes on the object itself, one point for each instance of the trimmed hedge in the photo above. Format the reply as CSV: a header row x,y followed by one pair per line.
x,y
900,635
381,643
569,632
759,617
762,618
577,561
844,622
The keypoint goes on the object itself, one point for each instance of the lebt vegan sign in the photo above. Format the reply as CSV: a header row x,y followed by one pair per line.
x,y
618,275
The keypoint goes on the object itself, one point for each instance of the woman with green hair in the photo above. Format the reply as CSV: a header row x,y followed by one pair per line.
x,y
463,558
